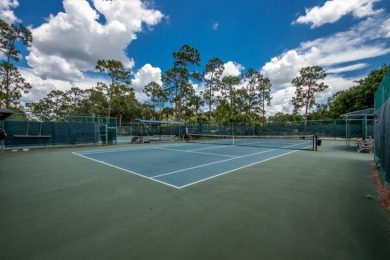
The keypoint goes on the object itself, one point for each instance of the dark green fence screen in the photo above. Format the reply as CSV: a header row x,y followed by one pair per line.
x,y
322,128
136,129
61,130
30,133
382,129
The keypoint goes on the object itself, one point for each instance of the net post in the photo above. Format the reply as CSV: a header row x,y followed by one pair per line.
x,y
315,141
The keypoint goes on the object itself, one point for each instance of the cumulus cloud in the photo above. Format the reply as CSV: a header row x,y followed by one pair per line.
x,y
232,69
41,87
215,26
338,53
282,97
358,43
144,76
6,12
71,42
281,101
334,10
281,70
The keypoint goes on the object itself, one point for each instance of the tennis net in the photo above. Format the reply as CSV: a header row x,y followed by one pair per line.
x,y
301,142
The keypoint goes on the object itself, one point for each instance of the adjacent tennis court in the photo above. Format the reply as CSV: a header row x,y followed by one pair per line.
x,y
182,165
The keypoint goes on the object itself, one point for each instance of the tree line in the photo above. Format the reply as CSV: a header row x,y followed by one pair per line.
x,y
358,97
224,98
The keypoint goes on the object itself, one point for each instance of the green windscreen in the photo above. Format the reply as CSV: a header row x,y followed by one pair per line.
x,y
382,128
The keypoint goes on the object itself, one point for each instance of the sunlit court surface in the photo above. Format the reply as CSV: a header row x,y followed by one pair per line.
x,y
182,165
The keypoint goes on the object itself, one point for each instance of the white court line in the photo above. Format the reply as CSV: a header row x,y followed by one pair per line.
x,y
276,143
194,151
171,185
207,164
124,149
255,144
242,167
138,174
214,146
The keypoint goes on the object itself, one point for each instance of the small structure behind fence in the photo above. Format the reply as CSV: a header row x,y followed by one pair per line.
x,y
142,127
64,130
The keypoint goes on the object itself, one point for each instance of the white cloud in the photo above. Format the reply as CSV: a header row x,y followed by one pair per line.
x,y
144,76
346,68
41,87
386,28
6,12
281,70
334,10
281,98
337,54
232,69
358,43
72,41
336,83
281,101
215,26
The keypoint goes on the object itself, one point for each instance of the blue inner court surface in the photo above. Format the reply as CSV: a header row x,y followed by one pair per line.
x,y
184,164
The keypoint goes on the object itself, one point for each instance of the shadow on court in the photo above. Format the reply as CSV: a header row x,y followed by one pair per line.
x,y
305,205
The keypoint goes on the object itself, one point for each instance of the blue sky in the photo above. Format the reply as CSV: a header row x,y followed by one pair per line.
x,y
348,38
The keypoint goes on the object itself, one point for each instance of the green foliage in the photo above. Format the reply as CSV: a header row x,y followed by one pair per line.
x,y
146,111
9,35
177,85
358,97
228,92
258,90
212,78
12,83
230,99
157,95
119,77
223,112
78,99
194,104
281,117
91,101
168,113
124,103
307,86
48,108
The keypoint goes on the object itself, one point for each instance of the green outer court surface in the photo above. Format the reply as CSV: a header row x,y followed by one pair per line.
x,y
304,205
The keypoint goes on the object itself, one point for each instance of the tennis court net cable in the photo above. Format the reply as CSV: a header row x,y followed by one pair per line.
x,y
296,142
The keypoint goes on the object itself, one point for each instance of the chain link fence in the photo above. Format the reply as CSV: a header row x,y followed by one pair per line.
x,y
322,128
382,129
24,131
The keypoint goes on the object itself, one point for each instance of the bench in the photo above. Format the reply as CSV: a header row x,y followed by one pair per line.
x,y
139,140
365,145
32,136
149,139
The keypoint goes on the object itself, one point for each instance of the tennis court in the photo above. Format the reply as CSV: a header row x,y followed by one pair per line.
x,y
275,203
182,165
